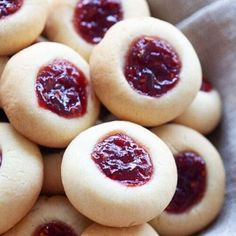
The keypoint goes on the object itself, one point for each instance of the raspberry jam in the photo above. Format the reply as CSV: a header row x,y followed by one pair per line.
x,y
9,7
152,66
120,158
206,86
54,228
92,18
61,88
191,184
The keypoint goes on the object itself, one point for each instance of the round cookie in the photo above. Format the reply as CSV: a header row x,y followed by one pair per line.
x,y
52,184
21,22
21,176
118,174
53,100
85,22
201,182
205,111
138,230
51,216
151,69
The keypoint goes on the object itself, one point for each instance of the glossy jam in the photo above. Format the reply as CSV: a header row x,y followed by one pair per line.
x,y
206,86
120,158
92,18
62,88
152,66
191,184
9,7
54,229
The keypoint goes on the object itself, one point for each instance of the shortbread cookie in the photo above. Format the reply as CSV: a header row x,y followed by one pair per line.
x,y
81,24
138,230
46,93
53,216
201,182
21,22
205,111
146,71
119,174
52,184
21,176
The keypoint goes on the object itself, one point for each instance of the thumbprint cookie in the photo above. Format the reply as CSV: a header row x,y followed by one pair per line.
x,y
21,176
205,111
21,22
138,230
53,216
47,95
81,24
201,182
119,174
146,71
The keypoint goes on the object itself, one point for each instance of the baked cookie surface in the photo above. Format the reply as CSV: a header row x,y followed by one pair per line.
x,y
21,176
118,169
85,22
47,95
139,230
201,182
205,111
21,22
51,216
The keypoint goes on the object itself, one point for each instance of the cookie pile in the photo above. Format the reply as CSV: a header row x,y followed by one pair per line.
x,y
106,120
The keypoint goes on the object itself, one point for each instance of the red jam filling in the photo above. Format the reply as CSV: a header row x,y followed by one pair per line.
x,y
8,7
191,184
54,229
206,86
92,18
120,158
152,66
61,88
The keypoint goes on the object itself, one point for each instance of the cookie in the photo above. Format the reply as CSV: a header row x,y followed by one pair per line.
x,y
81,24
46,93
21,21
145,71
201,182
205,111
139,230
52,184
21,176
118,174
51,216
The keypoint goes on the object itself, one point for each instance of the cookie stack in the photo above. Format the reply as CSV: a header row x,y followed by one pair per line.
x,y
135,175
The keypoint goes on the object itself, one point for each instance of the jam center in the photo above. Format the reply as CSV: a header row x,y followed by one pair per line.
x,y
61,88
206,86
54,229
92,18
8,7
152,66
120,158
191,184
